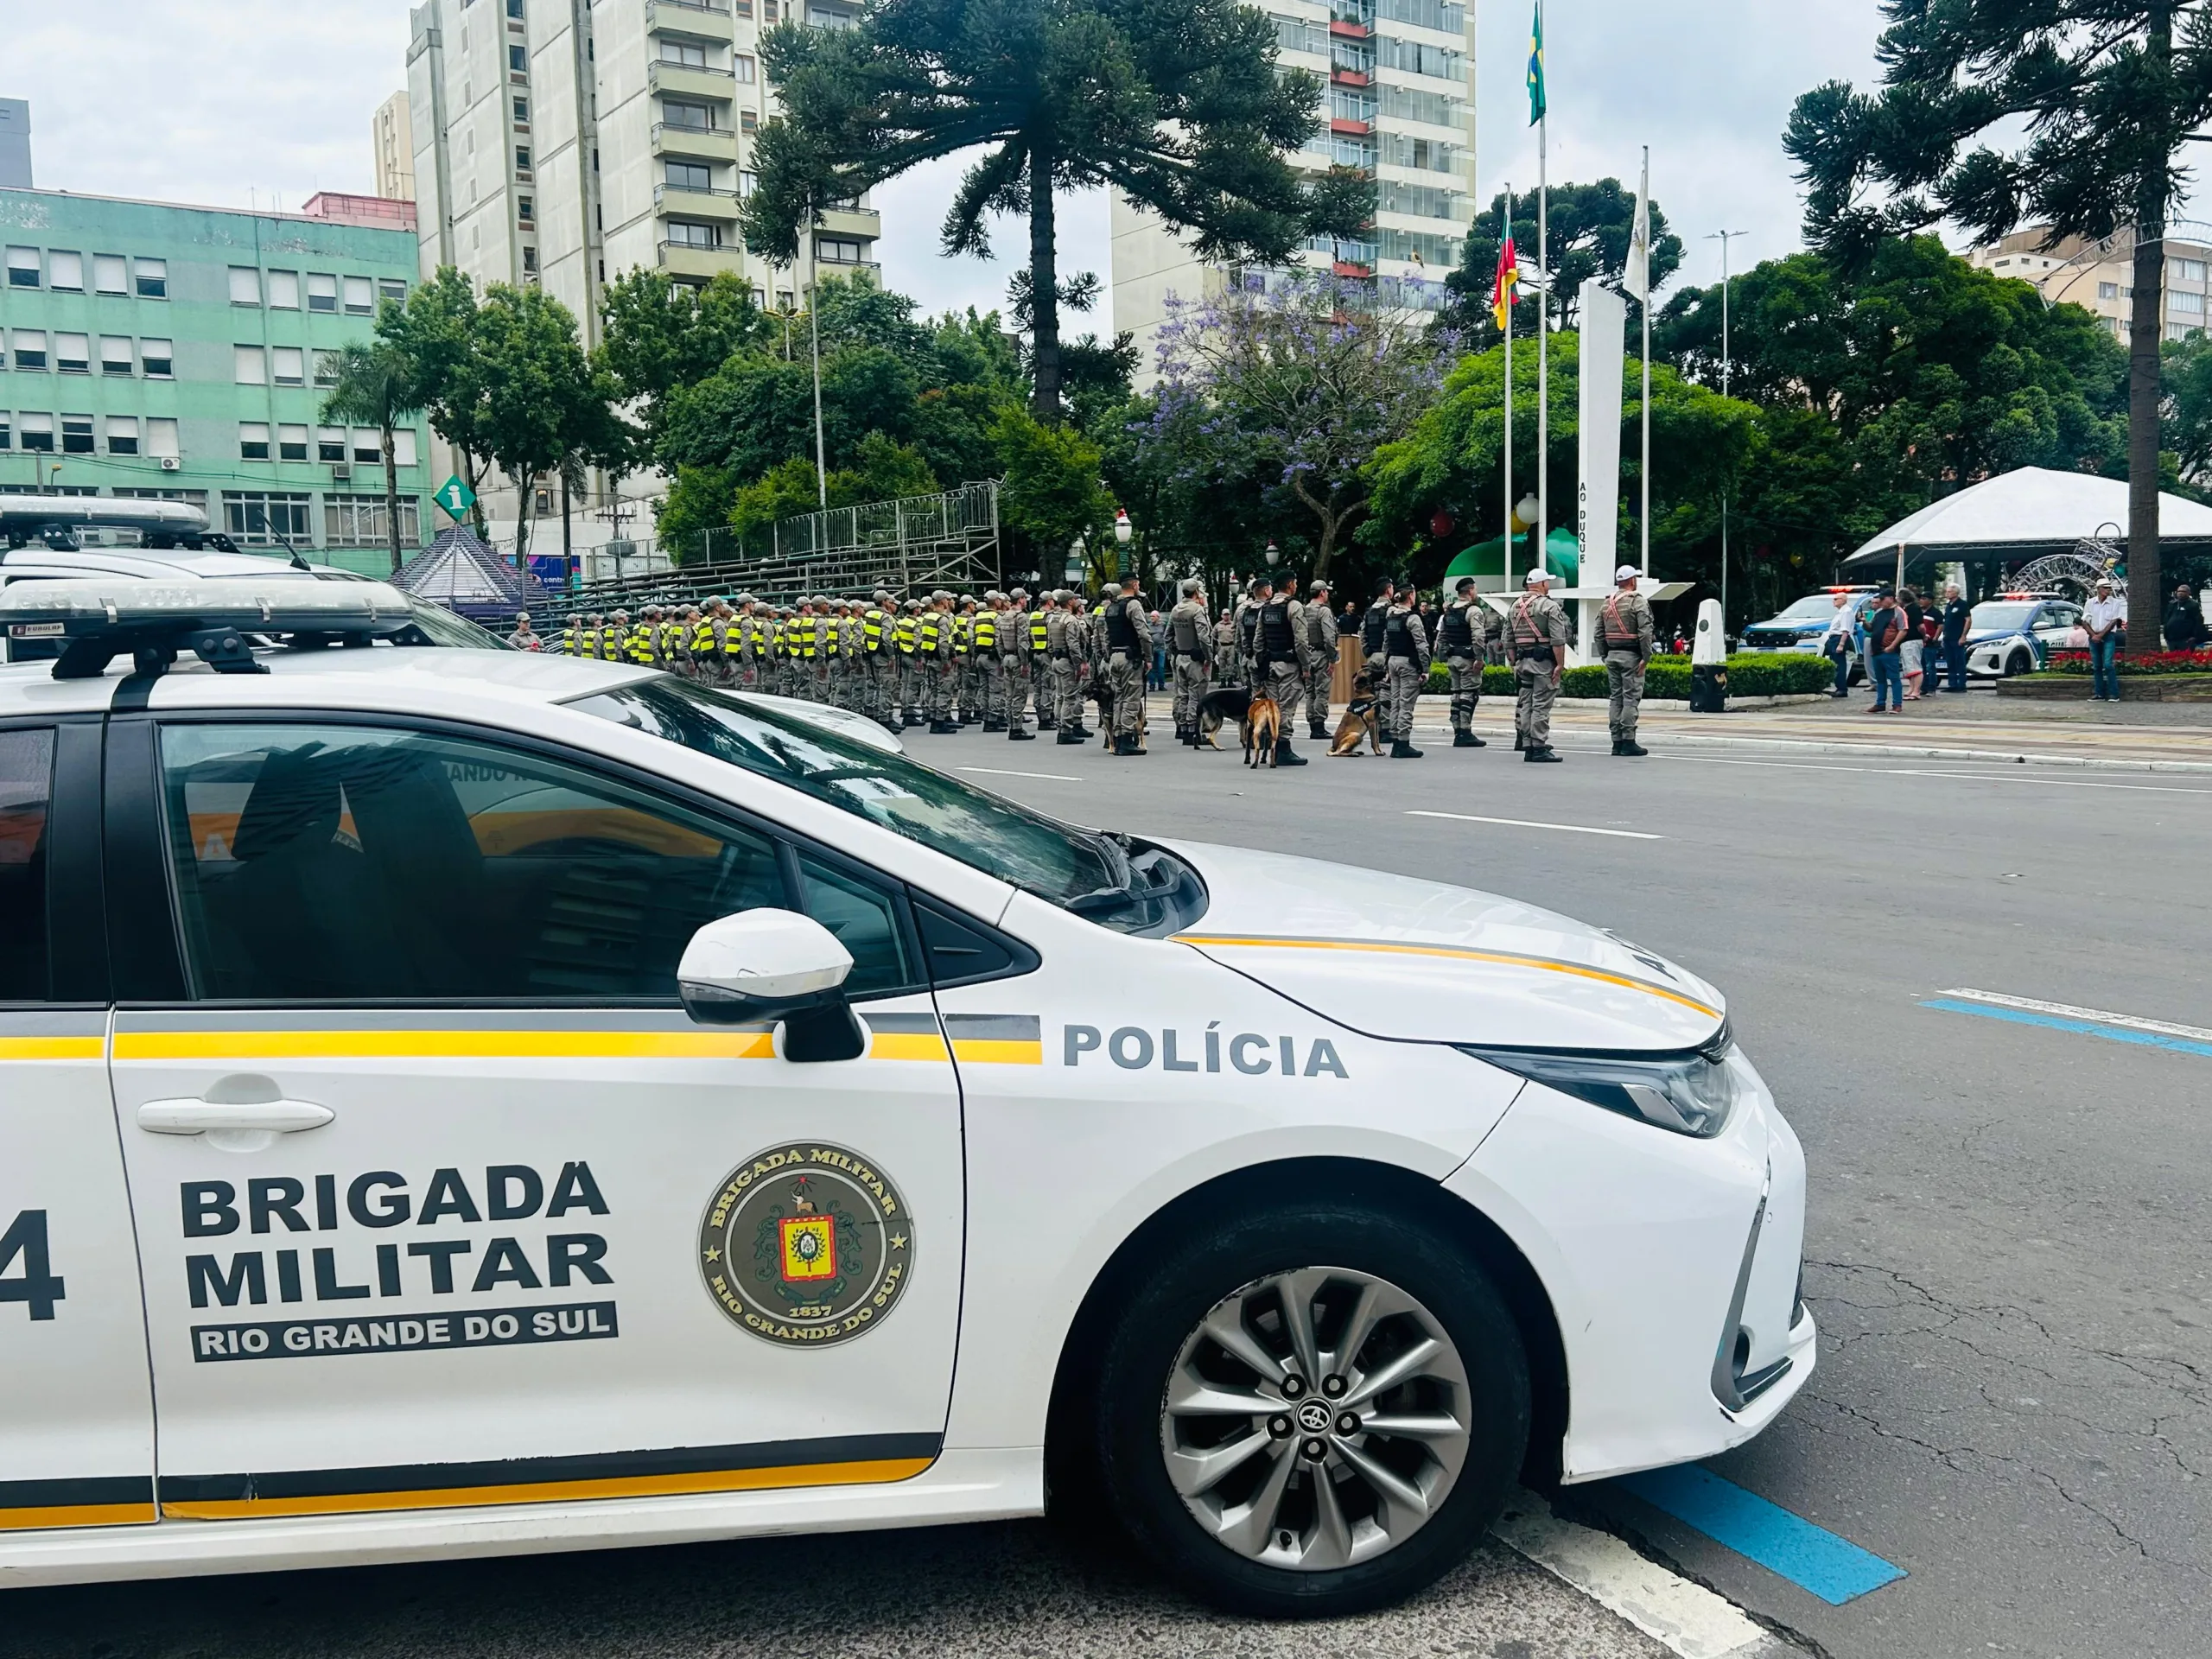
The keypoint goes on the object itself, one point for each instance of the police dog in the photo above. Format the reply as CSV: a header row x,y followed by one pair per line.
x,y
1360,720
1262,730
1217,708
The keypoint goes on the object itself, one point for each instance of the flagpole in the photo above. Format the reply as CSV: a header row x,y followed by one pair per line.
x,y
1543,342
1644,515
1508,310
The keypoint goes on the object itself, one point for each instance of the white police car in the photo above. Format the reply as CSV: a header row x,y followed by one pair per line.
x,y
2015,633
461,1103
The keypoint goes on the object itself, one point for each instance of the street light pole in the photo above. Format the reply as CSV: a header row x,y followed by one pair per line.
x,y
1727,364
814,327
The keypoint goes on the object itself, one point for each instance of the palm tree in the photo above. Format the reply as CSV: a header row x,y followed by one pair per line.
x,y
375,386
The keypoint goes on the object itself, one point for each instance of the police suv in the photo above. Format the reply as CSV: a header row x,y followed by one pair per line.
x,y
2015,633
463,1102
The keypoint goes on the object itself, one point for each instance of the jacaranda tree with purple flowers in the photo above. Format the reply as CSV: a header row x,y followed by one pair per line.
x,y
1289,383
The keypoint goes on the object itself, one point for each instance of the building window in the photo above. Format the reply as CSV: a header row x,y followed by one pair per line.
x,y
330,444
115,353
403,446
523,206
360,521
360,297
768,9
22,267
2107,291
153,279
289,365
37,431
2190,271
2178,301
76,435
748,69
245,285
161,437
514,9
688,233
326,368
529,261
522,158
155,360
836,250
748,120
322,292
291,443
517,60
108,274
5,431
743,8
368,445
249,366
690,175
123,435
747,182
284,290
72,353
65,272
688,56
694,117
392,288
256,517
522,112
30,348
253,440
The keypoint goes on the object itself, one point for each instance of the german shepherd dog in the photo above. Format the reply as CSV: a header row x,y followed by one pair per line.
x,y
1217,708
1262,730
1359,720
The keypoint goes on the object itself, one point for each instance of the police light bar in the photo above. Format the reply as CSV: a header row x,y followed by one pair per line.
x,y
103,617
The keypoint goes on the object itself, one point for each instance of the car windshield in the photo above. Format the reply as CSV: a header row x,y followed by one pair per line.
x,y
440,627
1128,886
1994,617
1813,607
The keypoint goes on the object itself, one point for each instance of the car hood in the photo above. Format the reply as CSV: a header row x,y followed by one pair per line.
x,y
1397,958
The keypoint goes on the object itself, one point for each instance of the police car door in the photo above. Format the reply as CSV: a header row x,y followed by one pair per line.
x,y
442,1199
76,1410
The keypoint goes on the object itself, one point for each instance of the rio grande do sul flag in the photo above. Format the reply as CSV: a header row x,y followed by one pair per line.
x,y
1507,290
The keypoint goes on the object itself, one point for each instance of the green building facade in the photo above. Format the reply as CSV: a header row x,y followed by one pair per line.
x,y
183,353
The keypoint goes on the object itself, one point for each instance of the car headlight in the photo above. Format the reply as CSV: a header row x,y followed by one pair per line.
x,y
1690,1092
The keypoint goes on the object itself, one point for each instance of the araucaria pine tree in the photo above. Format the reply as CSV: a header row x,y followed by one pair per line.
x,y
2103,94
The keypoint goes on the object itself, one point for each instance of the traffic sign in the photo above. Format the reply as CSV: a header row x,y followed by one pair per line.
x,y
455,497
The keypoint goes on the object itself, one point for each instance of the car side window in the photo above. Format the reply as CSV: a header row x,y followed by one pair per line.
x,y
26,796
866,923
333,862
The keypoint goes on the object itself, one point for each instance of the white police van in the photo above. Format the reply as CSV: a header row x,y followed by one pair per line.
x,y
462,1103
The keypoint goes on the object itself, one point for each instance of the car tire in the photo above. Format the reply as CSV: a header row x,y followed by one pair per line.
x,y
2018,663
1400,1509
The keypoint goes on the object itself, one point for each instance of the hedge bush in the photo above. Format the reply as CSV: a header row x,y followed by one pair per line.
x,y
1751,674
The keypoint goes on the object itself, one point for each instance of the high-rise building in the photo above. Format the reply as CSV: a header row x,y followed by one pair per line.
x,y
564,144
15,143
2099,276
1399,105
153,350
391,147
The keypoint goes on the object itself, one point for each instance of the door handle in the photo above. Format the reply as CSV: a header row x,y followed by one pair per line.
x,y
267,1118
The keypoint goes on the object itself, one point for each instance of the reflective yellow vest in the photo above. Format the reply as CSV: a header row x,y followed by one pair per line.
x,y
987,630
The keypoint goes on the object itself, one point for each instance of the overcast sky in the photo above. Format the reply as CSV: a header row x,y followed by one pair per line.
x,y
249,101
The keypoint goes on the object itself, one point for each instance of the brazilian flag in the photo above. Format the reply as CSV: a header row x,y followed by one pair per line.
x,y
1536,67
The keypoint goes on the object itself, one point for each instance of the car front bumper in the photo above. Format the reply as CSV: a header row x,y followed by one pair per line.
x,y
1673,1265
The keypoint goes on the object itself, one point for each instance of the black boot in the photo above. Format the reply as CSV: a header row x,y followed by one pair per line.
x,y
1319,733
1067,736
1543,753
1466,740
1630,746
1126,743
1020,734
1520,742
945,728
1401,750
1285,755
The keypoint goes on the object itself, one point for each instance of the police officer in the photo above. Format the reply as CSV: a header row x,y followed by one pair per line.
x,y
1459,642
1372,625
572,638
1320,630
1244,621
1228,666
614,638
1628,638
1126,635
1015,665
905,694
1405,659
1189,652
1536,635
1278,663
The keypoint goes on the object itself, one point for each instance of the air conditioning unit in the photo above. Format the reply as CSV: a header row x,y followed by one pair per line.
x,y
171,464
342,474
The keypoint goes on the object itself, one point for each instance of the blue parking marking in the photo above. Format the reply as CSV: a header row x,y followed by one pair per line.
x,y
2080,1027
1812,1558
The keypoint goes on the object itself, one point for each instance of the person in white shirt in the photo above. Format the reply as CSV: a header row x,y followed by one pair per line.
x,y
2104,618
1836,643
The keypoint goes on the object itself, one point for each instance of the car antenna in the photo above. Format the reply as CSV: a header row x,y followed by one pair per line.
x,y
298,563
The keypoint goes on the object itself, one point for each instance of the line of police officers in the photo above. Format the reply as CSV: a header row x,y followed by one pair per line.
x,y
945,661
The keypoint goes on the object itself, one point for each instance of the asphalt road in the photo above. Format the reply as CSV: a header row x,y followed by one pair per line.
x,y
2006,1241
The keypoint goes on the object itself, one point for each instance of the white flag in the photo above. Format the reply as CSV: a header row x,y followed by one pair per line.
x,y
1636,276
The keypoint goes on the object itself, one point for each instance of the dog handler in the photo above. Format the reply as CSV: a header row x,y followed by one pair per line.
x,y
1190,645
1629,639
1319,627
1128,654
1405,652
1536,635
1280,661
1459,642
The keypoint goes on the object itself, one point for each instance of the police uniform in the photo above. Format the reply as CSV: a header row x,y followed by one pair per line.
x,y
1320,624
1459,640
1628,638
1243,623
1228,666
1126,635
1279,657
878,649
1536,635
986,668
1373,622
1405,666
572,638
1013,628
1190,647
1043,681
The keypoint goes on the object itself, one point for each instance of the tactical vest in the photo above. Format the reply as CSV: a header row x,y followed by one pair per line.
x,y
1398,636
986,631
610,644
1039,633
927,634
1273,630
1370,629
1121,634
1455,634
572,642
872,631
902,634
961,632
1527,637
1616,634
1185,623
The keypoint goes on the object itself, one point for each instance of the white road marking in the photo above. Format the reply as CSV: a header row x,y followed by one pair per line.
x,y
1922,772
1001,772
2068,1011
1530,823
1687,1617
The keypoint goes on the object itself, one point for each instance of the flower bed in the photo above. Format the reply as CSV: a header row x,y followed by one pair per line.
x,y
2144,662
1751,674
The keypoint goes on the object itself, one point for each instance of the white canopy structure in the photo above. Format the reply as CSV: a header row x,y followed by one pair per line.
x,y
2023,514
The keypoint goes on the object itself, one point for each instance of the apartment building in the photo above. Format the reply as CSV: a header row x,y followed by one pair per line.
x,y
391,149
2099,276
182,353
1400,107
566,142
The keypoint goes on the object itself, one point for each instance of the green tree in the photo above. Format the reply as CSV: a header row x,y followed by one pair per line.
x,y
657,336
375,385
2186,373
436,331
549,406
1589,227
1052,493
1180,107
2096,98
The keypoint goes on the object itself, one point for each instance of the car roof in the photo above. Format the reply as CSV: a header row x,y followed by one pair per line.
x,y
154,563
418,680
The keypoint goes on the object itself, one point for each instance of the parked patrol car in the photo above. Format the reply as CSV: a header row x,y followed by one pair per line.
x,y
2014,634
461,1103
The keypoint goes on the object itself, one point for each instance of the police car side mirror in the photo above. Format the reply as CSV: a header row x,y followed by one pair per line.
x,y
774,966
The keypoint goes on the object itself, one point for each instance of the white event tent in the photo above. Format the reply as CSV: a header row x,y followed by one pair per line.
x,y
2024,514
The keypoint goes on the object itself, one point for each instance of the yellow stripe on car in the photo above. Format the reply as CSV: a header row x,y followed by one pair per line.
x,y
436,1045
52,1048
77,1515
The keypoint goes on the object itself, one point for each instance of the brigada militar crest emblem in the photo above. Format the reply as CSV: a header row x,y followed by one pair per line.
x,y
807,1245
